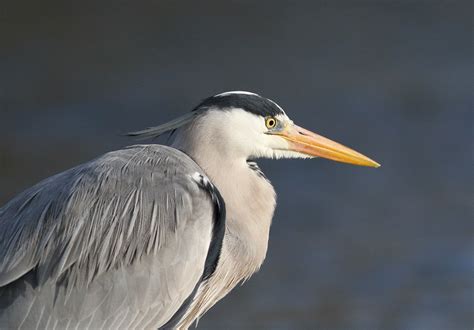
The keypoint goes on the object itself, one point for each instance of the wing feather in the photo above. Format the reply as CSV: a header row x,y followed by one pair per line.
x,y
125,216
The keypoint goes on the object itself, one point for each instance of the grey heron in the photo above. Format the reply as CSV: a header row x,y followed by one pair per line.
x,y
152,236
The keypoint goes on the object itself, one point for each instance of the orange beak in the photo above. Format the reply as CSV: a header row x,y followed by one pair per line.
x,y
309,143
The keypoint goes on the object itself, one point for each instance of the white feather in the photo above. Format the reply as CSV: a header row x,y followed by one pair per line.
x,y
236,92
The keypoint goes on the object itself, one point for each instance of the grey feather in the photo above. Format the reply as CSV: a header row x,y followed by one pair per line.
x,y
140,237
76,246
154,132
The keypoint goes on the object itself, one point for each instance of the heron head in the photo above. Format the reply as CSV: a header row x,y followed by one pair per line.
x,y
247,125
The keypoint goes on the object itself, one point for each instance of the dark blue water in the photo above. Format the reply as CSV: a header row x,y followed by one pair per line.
x,y
350,248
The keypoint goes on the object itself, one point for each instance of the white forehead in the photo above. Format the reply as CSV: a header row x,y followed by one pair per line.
x,y
236,92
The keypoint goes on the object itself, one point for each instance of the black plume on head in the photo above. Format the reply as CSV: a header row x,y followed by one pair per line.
x,y
253,103
250,102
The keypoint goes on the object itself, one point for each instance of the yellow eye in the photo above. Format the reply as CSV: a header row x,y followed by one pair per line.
x,y
270,122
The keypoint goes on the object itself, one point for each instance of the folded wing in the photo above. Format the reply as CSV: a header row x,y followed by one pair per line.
x,y
121,241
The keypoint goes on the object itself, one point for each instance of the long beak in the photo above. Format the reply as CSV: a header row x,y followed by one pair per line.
x,y
307,142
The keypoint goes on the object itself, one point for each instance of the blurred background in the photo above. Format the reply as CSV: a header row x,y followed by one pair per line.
x,y
350,247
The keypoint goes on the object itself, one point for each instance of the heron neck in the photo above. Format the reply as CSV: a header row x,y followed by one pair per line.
x,y
250,201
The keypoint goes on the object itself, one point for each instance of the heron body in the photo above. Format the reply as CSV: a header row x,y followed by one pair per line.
x,y
151,236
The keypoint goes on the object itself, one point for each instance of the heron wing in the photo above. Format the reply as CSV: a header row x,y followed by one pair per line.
x,y
122,240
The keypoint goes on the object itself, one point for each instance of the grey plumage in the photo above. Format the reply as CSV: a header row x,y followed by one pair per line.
x,y
154,132
91,240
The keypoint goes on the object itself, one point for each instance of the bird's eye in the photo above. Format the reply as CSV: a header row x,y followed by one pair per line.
x,y
270,122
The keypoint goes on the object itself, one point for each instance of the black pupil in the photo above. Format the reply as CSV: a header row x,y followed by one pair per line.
x,y
271,122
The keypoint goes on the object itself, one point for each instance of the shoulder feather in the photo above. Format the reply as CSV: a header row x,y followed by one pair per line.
x,y
98,216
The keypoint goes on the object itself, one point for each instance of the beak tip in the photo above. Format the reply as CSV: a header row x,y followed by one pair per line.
x,y
374,164
371,163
